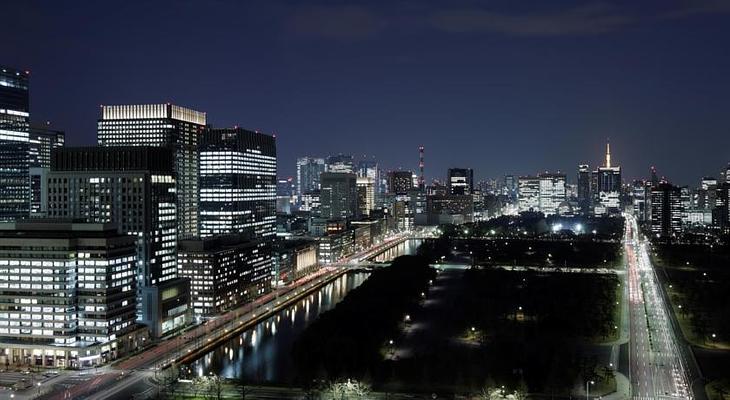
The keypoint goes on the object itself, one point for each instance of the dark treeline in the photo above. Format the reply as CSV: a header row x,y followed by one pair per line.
x,y
575,253
567,305
700,282
348,340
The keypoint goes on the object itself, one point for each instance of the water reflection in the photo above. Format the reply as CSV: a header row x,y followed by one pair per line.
x,y
262,354
407,247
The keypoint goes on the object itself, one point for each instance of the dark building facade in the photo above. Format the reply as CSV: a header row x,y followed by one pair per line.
x,y
585,196
338,197
400,182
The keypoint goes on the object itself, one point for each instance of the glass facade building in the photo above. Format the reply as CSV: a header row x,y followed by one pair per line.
x,y
309,170
237,183
14,145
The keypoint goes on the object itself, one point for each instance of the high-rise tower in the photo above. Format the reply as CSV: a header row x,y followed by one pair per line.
x,y
161,125
421,179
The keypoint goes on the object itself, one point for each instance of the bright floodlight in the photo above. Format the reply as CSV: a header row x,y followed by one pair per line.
x,y
557,227
579,227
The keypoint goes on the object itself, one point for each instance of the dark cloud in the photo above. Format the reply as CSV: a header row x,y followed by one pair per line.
x,y
347,22
591,18
687,8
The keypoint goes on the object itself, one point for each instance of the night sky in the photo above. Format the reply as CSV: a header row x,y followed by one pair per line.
x,y
499,86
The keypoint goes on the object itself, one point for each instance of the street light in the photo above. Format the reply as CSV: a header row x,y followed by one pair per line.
x,y
588,388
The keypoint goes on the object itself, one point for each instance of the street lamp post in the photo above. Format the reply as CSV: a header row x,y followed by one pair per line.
x,y
588,386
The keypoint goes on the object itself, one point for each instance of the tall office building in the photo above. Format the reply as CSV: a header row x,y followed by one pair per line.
x,y
400,182
133,187
639,199
338,197
310,202
365,195
721,210
608,186
552,192
340,163
461,181
285,195
14,145
654,177
585,196
43,140
725,173
707,193
510,186
528,193
162,125
368,169
666,210
309,170
72,290
237,183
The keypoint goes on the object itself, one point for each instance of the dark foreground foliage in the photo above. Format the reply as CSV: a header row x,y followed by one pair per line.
x,y
347,341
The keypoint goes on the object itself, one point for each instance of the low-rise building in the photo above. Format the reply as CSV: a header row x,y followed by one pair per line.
x,y
334,246
224,271
294,259
67,294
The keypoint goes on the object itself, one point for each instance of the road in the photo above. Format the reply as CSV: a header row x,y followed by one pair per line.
x,y
129,375
657,369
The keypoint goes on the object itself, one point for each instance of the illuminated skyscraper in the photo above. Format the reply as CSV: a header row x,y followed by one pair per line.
x,y
584,188
666,210
528,193
237,183
608,186
340,163
161,125
552,192
461,181
309,170
43,140
365,195
14,145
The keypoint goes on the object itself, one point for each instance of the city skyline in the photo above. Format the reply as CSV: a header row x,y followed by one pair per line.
x,y
548,84
375,200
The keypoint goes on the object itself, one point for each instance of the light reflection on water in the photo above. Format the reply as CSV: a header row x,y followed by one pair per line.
x,y
262,353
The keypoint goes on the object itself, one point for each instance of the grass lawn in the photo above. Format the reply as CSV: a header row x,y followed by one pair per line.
x,y
684,317
718,389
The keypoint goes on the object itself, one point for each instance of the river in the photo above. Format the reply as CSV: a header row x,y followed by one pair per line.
x,y
263,353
